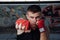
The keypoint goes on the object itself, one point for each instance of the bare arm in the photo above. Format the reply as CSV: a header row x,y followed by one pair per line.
x,y
43,36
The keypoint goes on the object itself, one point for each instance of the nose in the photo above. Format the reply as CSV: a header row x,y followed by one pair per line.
x,y
34,20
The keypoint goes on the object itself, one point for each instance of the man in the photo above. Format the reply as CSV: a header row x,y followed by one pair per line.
x,y
31,28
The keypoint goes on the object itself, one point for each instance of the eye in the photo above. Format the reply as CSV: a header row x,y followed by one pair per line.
x,y
38,17
32,17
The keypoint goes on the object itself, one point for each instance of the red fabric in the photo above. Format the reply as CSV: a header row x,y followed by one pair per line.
x,y
23,22
41,23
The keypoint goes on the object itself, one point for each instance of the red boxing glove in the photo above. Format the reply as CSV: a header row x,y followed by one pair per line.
x,y
23,22
41,25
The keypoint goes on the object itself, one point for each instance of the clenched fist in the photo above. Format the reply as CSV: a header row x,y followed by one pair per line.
x,y
22,25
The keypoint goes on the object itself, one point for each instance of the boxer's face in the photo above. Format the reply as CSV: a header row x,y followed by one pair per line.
x,y
33,17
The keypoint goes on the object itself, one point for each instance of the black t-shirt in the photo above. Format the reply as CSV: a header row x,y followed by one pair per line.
x,y
33,35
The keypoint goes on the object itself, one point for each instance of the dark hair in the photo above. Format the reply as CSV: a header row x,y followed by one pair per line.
x,y
34,8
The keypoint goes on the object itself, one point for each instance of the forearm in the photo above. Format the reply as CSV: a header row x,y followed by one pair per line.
x,y
43,36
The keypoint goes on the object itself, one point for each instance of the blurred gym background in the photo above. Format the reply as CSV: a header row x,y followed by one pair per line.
x,y
10,13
